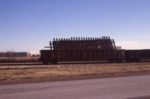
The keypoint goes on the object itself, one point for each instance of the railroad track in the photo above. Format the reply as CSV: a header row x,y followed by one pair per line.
x,y
18,64
40,65
22,65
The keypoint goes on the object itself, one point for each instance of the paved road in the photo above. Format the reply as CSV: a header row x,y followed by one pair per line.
x,y
133,87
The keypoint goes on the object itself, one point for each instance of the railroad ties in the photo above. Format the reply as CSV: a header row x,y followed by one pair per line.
x,y
83,49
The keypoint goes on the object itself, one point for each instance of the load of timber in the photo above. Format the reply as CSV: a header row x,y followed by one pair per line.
x,y
81,49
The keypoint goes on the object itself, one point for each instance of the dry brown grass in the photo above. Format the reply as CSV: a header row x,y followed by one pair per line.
x,y
72,70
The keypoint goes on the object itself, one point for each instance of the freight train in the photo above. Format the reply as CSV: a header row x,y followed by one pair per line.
x,y
77,49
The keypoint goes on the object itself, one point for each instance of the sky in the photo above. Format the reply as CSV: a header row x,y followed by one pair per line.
x,y
29,25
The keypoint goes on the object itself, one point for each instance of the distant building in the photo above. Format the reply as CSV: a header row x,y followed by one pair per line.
x,y
21,54
14,54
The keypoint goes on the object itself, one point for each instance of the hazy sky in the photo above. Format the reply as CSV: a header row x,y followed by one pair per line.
x,y
31,24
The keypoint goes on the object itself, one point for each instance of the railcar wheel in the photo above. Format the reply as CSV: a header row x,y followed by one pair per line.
x,y
45,63
54,62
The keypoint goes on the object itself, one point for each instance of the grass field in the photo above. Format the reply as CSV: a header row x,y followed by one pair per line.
x,y
71,71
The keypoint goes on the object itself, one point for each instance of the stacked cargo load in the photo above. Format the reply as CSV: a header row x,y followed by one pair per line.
x,y
81,49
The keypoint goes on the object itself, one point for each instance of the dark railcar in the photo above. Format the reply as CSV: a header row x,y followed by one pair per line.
x,y
137,55
45,56
132,55
145,55
82,49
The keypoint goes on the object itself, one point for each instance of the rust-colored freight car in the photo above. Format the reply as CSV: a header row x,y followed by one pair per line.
x,y
82,49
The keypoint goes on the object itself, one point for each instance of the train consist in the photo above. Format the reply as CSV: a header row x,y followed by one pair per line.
x,y
89,49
